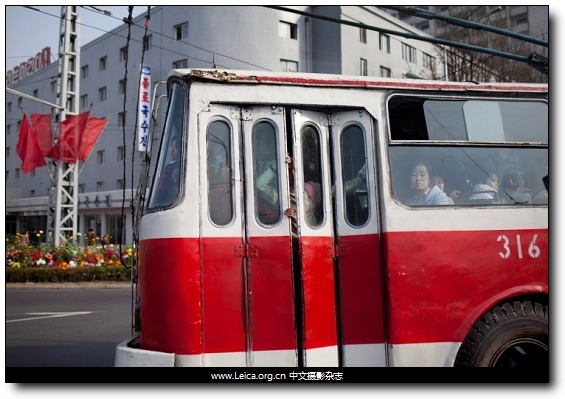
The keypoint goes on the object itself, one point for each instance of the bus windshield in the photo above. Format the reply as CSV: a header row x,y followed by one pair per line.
x,y
166,185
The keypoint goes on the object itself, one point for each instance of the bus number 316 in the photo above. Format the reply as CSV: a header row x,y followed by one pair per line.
x,y
533,249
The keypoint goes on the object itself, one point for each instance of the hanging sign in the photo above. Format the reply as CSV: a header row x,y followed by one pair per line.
x,y
144,116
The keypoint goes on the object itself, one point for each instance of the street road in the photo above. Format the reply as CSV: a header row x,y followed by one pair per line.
x,y
76,326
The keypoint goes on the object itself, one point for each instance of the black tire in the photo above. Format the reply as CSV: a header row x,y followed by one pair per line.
x,y
510,335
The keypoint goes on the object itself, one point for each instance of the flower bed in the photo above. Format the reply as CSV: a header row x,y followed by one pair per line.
x,y
68,262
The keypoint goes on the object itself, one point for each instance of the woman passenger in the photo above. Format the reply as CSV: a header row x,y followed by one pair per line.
x,y
424,192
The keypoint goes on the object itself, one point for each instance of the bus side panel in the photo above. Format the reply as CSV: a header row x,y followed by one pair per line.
x,y
428,272
271,294
320,320
169,284
223,299
361,293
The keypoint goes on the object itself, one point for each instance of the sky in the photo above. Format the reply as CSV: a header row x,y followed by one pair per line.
x,y
29,30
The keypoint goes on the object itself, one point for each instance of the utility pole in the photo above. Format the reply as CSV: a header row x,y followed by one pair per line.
x,y
63,193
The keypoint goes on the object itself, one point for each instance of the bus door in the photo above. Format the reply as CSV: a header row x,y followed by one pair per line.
x,y
313,239
247,285
267,242
357,246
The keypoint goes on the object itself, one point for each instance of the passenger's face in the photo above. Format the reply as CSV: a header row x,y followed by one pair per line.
x,y
492,181
420,178
439,182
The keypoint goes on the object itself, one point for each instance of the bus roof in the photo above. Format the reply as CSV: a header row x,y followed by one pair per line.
x,y
315,79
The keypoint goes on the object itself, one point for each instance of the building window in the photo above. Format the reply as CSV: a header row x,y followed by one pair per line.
x,y
121,153
363,70
81,188
103,62
120,184
8,129
123,54
385,72
36,93
100,157
363,35
54,86
102,94
17,173
32,193
429,61
84,71
147,42
20,103
9,107
7,175
181,31
84,101
288,30
122,87
384,43
99,186
7,152
289,66
180,64
121,119
408,53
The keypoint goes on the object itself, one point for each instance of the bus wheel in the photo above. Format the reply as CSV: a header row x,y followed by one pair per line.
x,y
510,335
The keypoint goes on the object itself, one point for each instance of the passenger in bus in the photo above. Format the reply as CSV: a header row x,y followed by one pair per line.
x,y
168,186
359,182
487,190
311,202
421,186
513,188
438,181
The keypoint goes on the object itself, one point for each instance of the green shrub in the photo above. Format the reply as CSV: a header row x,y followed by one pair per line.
x,y
70,275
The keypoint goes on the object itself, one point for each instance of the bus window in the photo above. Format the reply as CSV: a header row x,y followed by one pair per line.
x,y
486,152
266,173
219,173
353,170
311,158
474,175
166,186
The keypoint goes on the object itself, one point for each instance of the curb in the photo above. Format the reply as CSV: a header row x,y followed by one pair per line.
x,y
94,284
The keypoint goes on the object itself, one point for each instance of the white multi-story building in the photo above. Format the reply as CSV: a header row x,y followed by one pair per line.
x,y
234,37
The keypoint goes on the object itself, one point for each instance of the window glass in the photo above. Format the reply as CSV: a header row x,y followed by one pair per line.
x,y
493,121
313,189
466,173
220,203
266,173
166,185
354,175
469,175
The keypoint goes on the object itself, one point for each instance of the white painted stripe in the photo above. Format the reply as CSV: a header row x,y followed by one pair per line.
x,y
317,357
281,358
364,355
435,354
223,359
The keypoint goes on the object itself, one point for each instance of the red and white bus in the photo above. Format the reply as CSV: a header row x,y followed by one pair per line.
x,y
311,220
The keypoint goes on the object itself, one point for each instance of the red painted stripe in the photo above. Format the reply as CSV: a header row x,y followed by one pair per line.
x,y
169,289
440,282
320,319
223,296
271,294
360,285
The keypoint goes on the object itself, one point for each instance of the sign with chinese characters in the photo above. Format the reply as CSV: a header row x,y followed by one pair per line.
x,y
144,116
29,67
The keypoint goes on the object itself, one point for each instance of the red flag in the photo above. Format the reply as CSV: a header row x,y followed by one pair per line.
x,y
41,124
94,128
28,149
68,143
